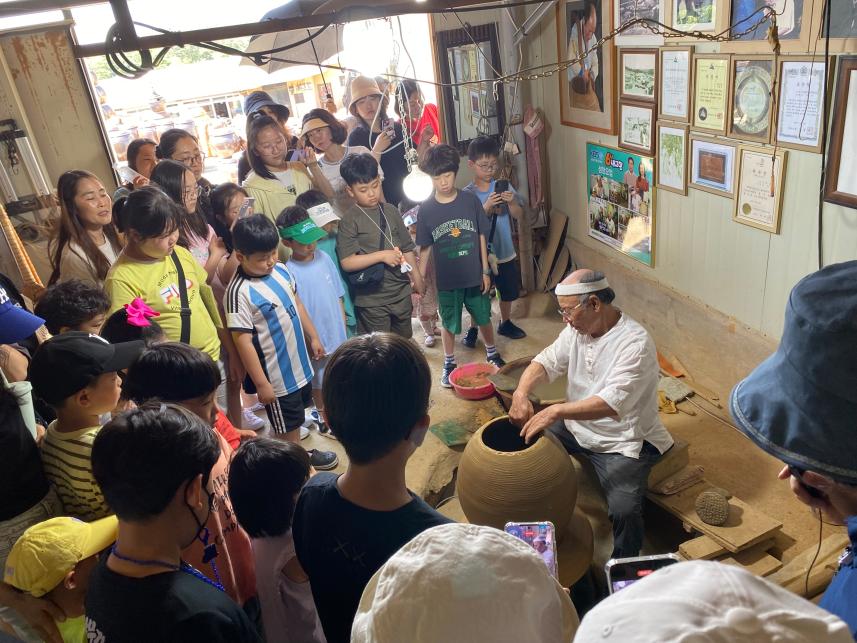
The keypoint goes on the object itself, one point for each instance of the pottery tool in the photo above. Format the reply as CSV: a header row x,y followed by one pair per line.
x,y
508,385
675,391
451,433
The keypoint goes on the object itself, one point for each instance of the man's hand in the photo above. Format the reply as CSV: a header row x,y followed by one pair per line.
x,y
317,348
492,202
538,423
521,410
265,393
486,284
41,614
822,484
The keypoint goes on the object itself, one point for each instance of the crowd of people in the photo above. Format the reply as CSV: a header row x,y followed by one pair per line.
x,y
139,503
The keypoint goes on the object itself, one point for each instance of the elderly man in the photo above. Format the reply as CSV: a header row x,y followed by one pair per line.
x,y
800,406
611,415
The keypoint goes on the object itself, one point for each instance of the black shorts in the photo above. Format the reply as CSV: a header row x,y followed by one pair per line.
x,y
507,281
286,414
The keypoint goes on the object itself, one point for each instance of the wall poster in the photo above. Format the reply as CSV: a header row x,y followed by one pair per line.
x,y
621,200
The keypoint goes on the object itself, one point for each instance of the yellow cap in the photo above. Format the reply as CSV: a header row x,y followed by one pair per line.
x,y
46,552
312,124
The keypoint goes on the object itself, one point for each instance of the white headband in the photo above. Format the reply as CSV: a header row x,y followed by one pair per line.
x,y
563,290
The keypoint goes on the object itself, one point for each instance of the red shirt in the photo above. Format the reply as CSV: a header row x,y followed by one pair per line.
x,y
429,117
225,428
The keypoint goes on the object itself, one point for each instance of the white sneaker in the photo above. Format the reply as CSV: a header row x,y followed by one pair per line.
x,y
305,430
251,421
258,406
312,415
429,341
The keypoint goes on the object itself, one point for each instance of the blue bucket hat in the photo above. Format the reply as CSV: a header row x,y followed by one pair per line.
x,y
800,404
16,323
255,101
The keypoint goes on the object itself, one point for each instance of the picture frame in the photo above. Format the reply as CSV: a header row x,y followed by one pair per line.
x,y
672,145
843,29
794,24
753,97
638,74
800,106
702,16
586,103
712,165
675,80
720,8
637,127
710,93
625,10
840,185
759,196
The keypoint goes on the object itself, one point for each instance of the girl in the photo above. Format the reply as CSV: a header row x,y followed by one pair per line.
x,y
84,243
195,233
179,145
262,103
420,118
141,158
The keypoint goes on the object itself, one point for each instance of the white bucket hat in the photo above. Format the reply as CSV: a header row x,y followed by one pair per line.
x,y
461,583
707,602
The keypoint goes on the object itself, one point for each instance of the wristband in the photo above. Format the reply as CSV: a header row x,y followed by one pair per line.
x,y
486,272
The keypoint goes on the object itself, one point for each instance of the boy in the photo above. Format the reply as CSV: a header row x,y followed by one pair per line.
x,y
154,465
482,155
376,398
373,243
271,329
288,613
77,375
451,230
73,305
321,287
54,559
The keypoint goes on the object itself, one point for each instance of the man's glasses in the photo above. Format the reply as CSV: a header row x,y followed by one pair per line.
x,y
566,313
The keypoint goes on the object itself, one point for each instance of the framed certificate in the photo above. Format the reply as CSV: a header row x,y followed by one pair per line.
x,y
840,185
712,166
800,104
675,83
637,127
752,103
760,187
672,157
638,74
710,93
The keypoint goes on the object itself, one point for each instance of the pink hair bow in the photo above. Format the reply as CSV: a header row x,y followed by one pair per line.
x,y
138,313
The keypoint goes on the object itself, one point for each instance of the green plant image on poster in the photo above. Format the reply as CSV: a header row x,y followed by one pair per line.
x,y
621,200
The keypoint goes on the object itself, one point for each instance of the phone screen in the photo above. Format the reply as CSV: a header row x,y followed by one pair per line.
x,y
246,208
541,536
501,185
627,571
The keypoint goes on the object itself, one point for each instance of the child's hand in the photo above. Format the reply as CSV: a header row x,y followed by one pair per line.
x,y
392,258
265,393
507,196
486,284
217,246
492,202
140,181
317,348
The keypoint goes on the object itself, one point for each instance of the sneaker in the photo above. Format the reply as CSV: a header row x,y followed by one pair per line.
x,y
322,460
305,431
510,330
325,431
258,406
312,415
447,371
429,341
496,360
250,420
469,338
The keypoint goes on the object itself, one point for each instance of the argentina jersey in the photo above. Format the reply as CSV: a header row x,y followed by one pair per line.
x,y
265,306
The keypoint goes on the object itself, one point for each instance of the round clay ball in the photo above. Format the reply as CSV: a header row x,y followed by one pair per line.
x,y
712,507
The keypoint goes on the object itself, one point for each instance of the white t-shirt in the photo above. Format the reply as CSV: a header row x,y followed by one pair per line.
x,y
620,367
331,168
107,250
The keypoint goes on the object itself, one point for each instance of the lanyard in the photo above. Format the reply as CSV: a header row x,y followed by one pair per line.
x,y
389,238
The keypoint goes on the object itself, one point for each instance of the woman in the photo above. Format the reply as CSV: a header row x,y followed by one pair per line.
x,y
262,103
84,243
179,145
421,119
379,133
141,158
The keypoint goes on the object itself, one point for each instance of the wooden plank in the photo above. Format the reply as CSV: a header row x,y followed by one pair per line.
x,y
755,559
700,548
556,234
560,266
676,459
744,527
792,576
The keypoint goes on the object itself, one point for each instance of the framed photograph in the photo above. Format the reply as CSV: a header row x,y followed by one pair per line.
x,y
627,10
675,81
637,127
621,200
794,26
638,74
672,157
696,15
843,28
712,166
474,103
760,187
840,186
710,93
586,89
800,104
752,103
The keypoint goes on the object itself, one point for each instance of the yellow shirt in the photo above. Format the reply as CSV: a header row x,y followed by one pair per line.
x,y
156,283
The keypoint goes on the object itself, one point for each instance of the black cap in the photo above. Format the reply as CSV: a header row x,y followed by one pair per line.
x,y
68,363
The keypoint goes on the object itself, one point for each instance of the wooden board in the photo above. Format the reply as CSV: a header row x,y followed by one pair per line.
x,y
700,548
673,461
755,559
744,527
792,576
560,266
556,237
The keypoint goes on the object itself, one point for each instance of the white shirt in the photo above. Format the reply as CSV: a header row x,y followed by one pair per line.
x,y
330,169
620,367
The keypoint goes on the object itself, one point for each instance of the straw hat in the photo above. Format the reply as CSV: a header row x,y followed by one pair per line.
x,y
361,87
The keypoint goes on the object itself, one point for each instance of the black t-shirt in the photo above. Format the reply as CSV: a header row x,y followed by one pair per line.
x,y
22,478
340,546
169,607
453,230
392,160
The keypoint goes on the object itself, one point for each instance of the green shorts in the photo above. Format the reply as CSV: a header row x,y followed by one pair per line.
x,y
451,301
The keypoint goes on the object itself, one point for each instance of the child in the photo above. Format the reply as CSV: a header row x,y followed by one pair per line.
x,y
373,243
185,376
76,374
426,304
155,465
324,216
451,228
73,305
482,158
272,329
288,611
376,399
321,288
54,559
134,321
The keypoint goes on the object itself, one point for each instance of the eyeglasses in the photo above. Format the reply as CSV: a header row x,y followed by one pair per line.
x,y
271,148
199,157
566,313
487,167
191,192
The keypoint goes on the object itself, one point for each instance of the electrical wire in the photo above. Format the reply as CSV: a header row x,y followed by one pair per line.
x,y
814,558
823,180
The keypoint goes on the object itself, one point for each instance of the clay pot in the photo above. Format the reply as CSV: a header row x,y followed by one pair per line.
x,y
501,479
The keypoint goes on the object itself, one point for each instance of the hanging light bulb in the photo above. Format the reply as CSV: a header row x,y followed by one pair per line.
x,y
417,184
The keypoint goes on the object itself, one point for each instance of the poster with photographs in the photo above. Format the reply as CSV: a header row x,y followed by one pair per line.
x,y
586,88
752,97
621,200
625,11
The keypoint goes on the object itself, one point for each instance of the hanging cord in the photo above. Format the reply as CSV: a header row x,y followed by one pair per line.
x,y
823,179
814,558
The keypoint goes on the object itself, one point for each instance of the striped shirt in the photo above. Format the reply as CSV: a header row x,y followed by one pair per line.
x,y
66,460
266,306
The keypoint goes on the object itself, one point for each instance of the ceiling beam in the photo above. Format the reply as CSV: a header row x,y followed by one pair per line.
x,y
14,8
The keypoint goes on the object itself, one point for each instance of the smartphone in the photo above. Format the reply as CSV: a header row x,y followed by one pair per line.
x,y
388,127
798,473
501,185
126,173
622,572
541,536
246,208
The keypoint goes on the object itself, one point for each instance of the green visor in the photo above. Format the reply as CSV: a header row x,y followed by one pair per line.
x,y
305,232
